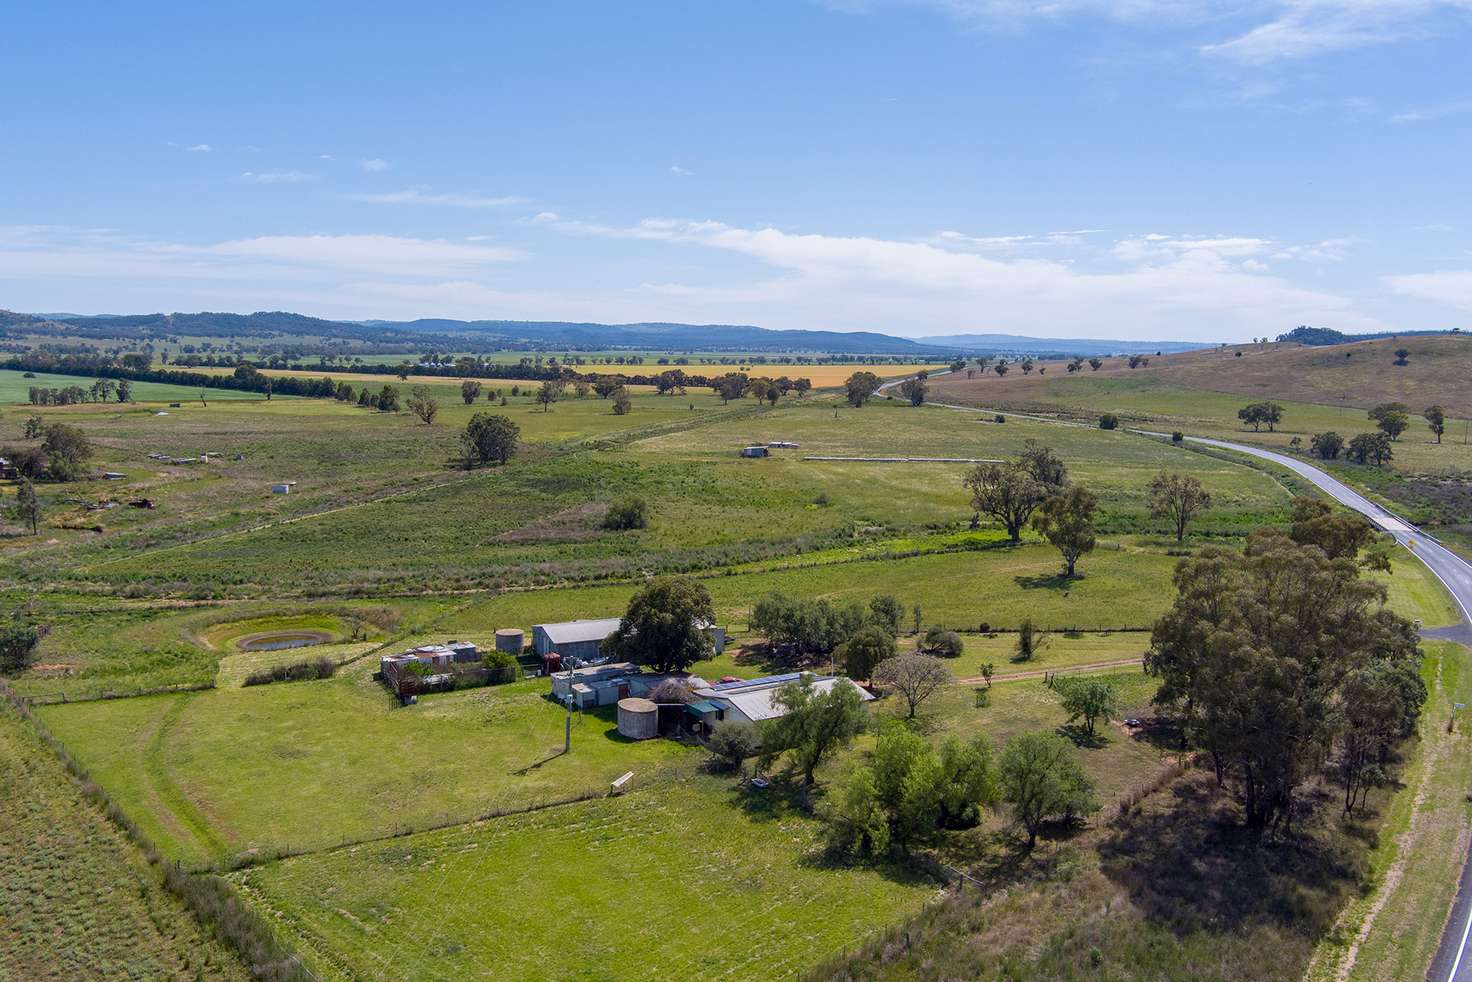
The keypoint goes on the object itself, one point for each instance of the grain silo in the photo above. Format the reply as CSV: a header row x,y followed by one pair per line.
x,y
510,640
638,719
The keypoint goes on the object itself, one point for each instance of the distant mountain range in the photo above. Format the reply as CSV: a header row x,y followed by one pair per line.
x,y
1023,344
482,335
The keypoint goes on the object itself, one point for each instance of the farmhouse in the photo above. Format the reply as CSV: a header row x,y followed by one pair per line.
x,y
752,701
579,642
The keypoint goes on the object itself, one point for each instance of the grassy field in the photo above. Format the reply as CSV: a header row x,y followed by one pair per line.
x,y
1164,401
214,775
570,893
757,863
15,388
1359,375
354,524
412,848
78,900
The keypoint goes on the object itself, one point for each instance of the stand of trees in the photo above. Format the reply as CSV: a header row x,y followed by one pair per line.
x,y
1281,659
907,791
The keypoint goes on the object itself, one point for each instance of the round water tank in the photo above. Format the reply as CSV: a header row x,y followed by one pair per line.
x,y
638,719
510,640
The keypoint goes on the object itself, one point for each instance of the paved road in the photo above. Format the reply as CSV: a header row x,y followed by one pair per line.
x,y
1453,962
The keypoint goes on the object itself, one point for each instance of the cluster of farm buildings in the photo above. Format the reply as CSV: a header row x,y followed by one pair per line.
x,y
570,655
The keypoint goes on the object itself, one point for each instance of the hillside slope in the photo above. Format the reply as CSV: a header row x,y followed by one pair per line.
x,y
1361,374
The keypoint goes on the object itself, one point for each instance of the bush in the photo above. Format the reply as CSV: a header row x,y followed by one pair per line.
x,y
1108,421
501,668
16,644
1177,437
946,644
732,741
627,513
999,418
317,668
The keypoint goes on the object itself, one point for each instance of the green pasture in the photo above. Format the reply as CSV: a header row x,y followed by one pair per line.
x,y
1152,402
15,388
539,520
97,645
339,456
304,765
694,880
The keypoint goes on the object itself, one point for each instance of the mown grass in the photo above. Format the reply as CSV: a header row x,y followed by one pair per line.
x,y
214,775
698,882
79,899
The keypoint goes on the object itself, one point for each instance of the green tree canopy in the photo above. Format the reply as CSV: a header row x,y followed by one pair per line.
x,y
1040,778
489,438
666,626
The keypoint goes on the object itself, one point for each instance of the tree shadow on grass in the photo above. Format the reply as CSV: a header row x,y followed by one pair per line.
x,y
780,800
1054,581
1081,737
1189,865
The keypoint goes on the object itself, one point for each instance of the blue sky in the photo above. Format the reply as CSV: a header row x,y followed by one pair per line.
x,y
1135,169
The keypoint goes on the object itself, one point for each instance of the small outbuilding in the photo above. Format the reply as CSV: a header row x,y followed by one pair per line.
x,y
755,451
638,719
282,487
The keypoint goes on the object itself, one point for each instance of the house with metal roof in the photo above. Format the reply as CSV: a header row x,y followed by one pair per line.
x,y
753,700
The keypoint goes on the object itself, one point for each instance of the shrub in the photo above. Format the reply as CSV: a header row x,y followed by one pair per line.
x,y
501,668
1108,421
999,418
317,668
16,644
626,514
946,644
1177,437
734,740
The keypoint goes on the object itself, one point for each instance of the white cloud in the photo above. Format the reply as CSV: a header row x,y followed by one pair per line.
x,y
679,171
375,164
1452,287
1430,113
1326,251
421,196
1270,30
277,177
1175,287
1302,28
369,253
59,252
324,156
200,148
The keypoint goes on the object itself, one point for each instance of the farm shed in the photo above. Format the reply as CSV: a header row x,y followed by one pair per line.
x,y
581,641
752,702
754,451
282,487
